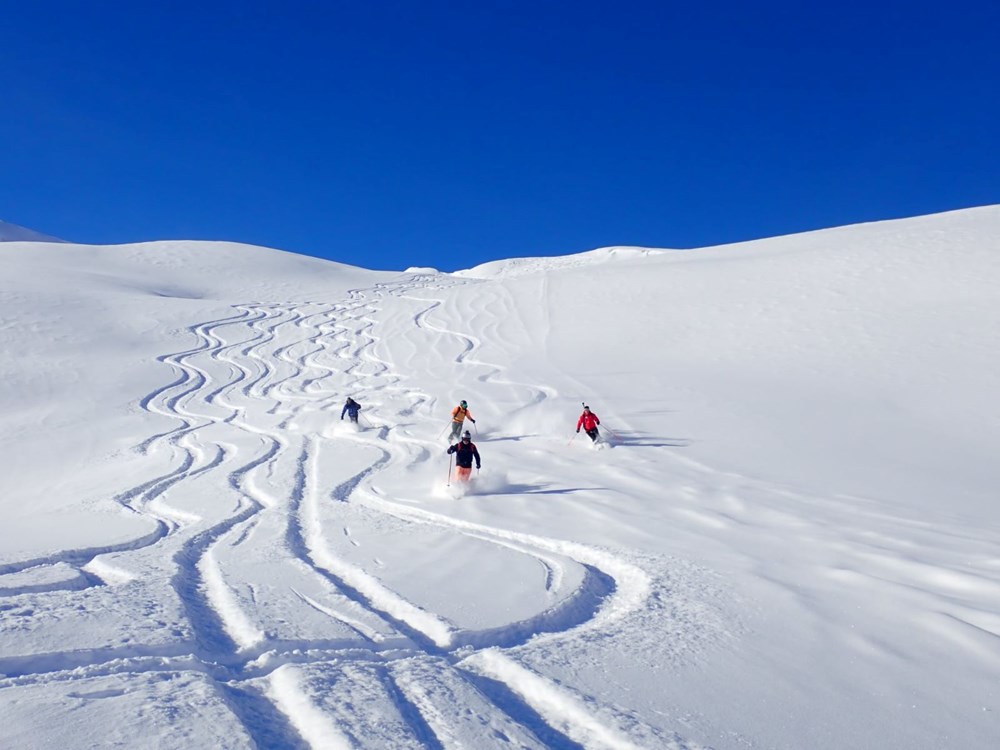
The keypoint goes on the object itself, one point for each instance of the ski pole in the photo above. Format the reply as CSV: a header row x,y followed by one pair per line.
x,y
613,433
572,438
443,429
449,471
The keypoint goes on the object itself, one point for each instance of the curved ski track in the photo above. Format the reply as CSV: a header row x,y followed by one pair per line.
x,y
250,402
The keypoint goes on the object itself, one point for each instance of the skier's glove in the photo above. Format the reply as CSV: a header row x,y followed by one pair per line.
x,y
472,420
577,430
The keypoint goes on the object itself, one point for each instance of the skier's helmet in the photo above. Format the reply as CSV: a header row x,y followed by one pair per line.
x,y
586,408
467,435
464,404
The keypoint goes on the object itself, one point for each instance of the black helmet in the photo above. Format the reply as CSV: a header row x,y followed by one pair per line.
x,y
463,403
466,435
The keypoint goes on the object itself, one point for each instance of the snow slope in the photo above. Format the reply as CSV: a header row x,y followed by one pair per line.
x,y
13,233
789,540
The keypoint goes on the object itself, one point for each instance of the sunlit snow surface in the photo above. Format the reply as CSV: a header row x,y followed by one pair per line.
x,y
789,539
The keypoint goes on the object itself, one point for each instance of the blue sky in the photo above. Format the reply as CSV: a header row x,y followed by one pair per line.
x,y
424,133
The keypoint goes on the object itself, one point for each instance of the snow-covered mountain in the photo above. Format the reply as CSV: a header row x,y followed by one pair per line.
x,y
14,233
789,538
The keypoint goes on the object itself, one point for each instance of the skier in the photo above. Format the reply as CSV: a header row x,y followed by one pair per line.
x,y
458,415
589,421
464,452
351,409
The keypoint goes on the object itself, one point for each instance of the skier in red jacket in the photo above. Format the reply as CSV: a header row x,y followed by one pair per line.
x,y
588,421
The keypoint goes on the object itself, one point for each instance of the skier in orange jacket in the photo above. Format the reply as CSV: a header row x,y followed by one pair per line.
x,y
458,415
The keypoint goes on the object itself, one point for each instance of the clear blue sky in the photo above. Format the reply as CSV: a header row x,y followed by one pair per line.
x,y
389,134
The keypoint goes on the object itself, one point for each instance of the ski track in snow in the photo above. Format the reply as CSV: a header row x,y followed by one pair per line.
x,y
253,470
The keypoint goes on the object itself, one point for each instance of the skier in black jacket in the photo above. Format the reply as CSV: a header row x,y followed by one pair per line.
x,y
351,408
465,451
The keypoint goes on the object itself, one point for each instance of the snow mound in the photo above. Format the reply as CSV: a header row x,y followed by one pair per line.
x,y
515,267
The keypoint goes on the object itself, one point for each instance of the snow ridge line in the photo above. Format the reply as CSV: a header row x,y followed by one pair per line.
x,y
556,705
183,385
249,352
295,539
78,558
67,666
632,585
215,615
233,619
289,695
218,622
378,597
211,610
171,359
143,498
